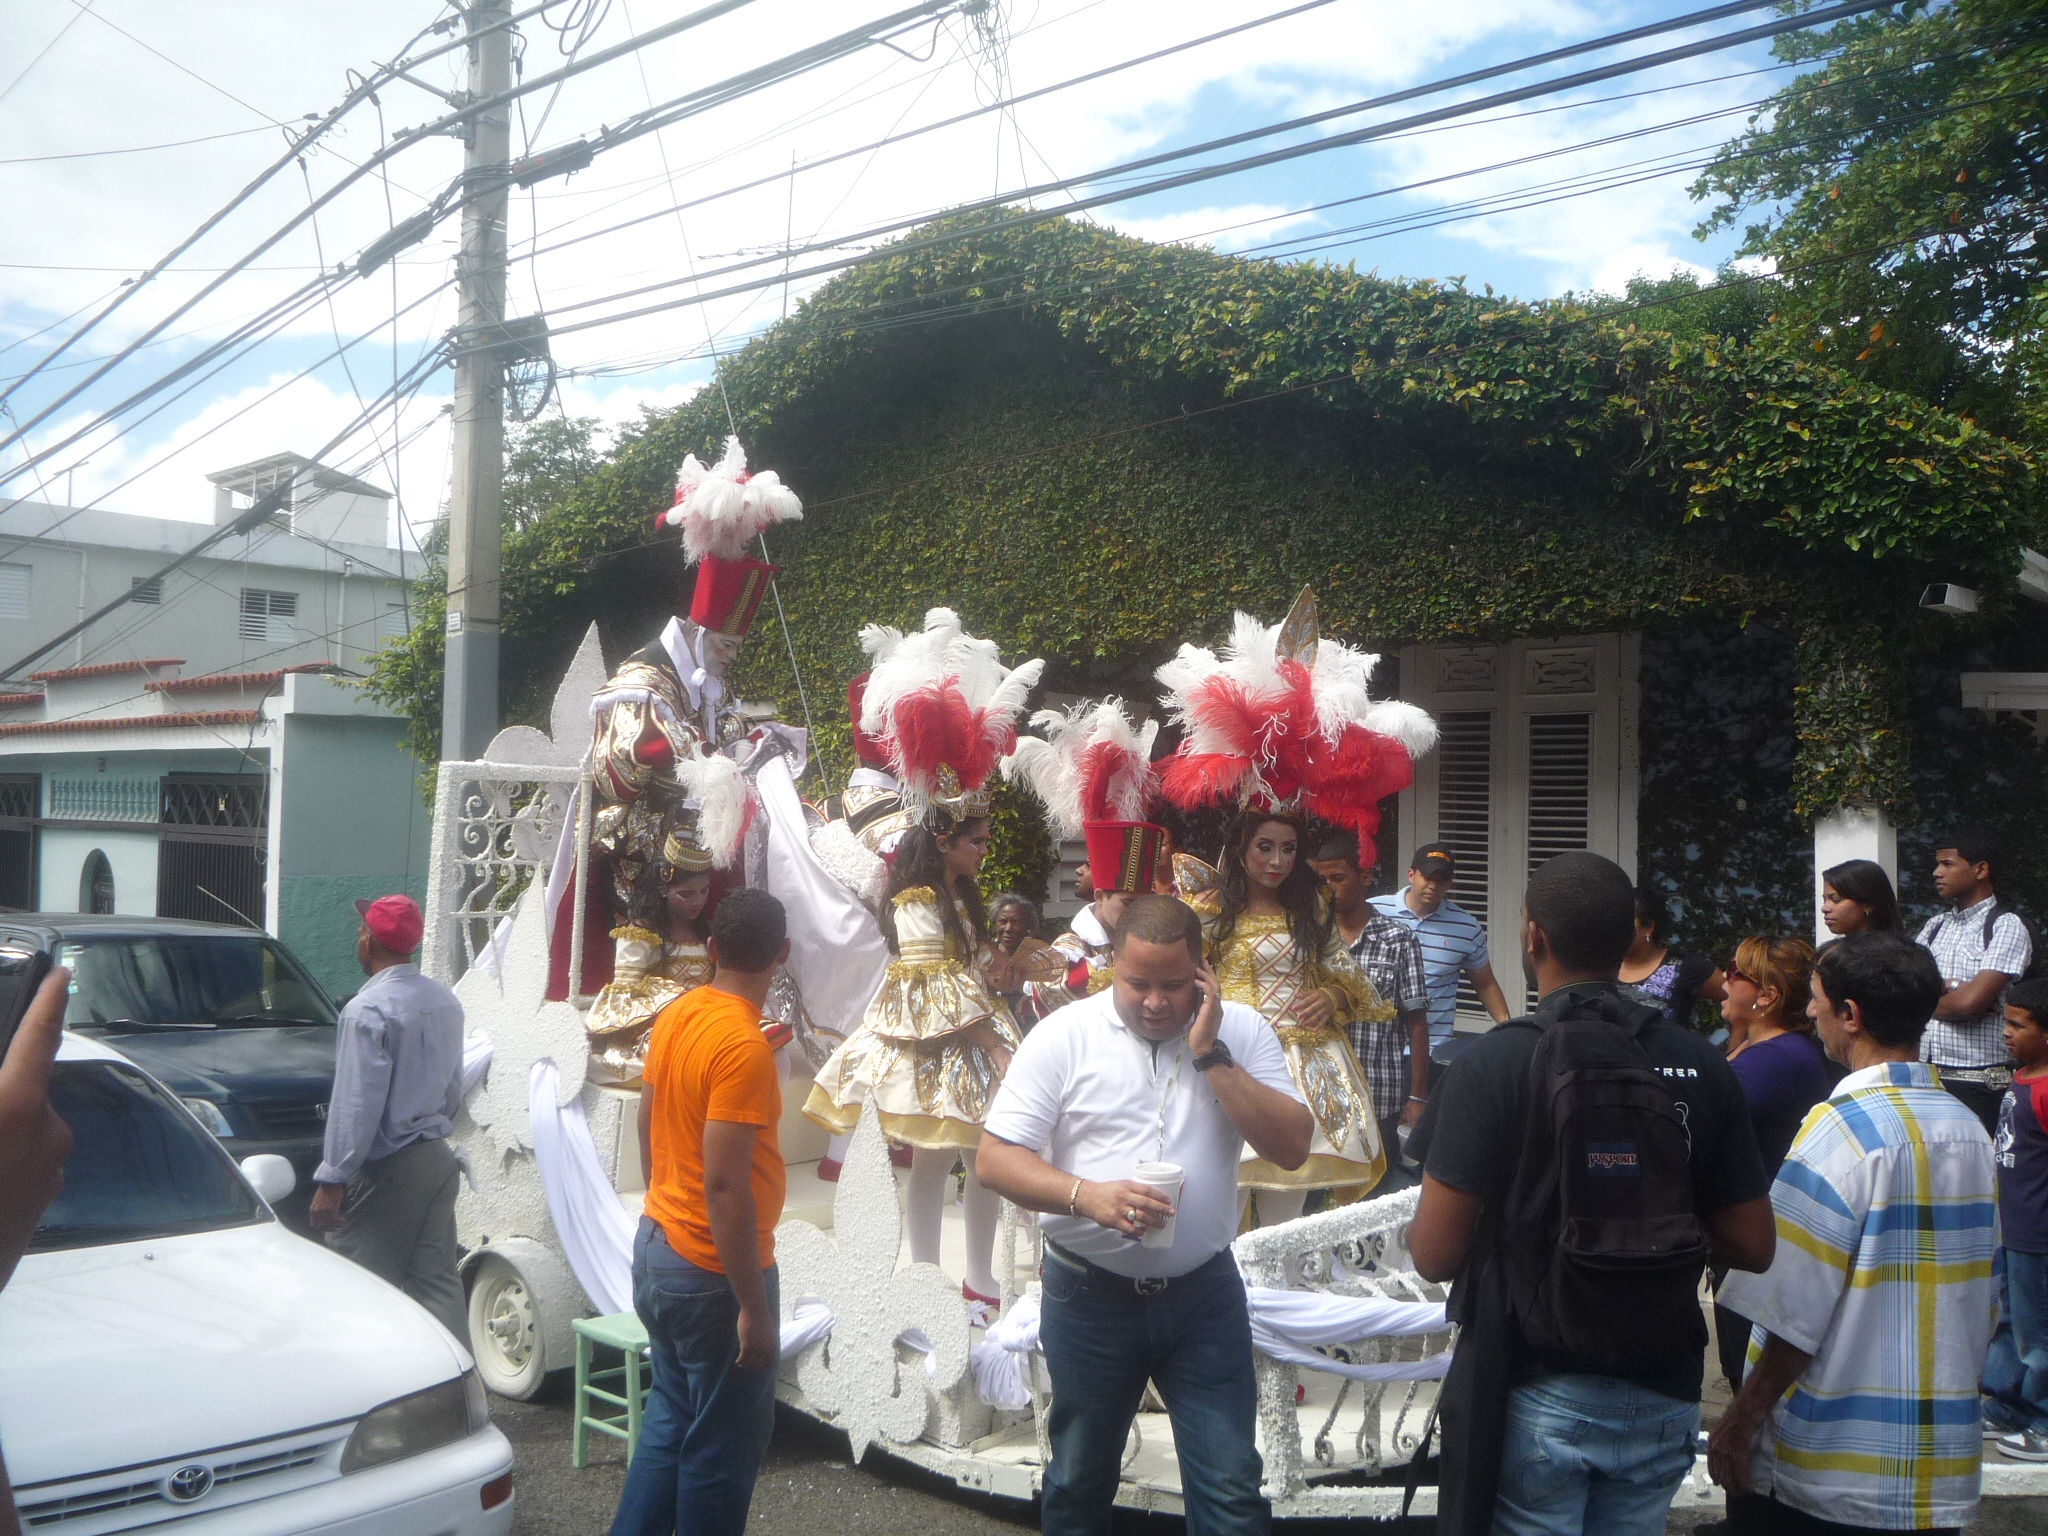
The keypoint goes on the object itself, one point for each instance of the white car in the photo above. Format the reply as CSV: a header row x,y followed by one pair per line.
x,y
169,1352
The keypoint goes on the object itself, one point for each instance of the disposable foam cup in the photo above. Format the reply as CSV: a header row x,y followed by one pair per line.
x,y
1167,1178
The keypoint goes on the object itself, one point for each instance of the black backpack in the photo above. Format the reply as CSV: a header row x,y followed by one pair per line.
x,y
1602,1245
2037,961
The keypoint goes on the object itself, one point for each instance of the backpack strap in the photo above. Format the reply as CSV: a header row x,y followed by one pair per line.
x,y
1991,920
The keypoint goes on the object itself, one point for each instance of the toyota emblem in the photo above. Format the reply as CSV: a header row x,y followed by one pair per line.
x,y
188,1484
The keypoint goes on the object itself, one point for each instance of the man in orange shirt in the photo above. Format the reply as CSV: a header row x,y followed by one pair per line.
x,y
704,1258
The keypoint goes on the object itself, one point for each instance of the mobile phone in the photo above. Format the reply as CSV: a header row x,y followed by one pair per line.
x,y
22,969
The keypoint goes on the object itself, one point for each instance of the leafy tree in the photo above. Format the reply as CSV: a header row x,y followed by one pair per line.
x,y
1898,189
1736,306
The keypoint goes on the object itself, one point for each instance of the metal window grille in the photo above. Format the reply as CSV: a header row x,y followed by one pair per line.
x,y
238,804
18,798
14,584
269,616
145,589
18,805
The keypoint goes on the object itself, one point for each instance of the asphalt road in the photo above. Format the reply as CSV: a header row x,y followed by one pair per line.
x,y
808,1487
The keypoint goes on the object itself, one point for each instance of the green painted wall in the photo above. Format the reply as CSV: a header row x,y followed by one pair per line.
x,y
352,827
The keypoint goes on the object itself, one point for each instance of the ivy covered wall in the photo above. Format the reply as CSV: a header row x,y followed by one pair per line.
x,y
1096,449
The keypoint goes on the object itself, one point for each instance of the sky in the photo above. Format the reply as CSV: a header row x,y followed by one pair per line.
x,y
126,124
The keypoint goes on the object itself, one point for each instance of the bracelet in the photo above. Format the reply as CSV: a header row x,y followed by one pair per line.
x,y
1074,1201
1418,1098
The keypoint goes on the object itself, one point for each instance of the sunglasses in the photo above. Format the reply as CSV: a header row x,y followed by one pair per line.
x,y
1735,972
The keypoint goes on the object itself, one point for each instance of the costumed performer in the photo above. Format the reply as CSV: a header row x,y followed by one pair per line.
x,y
667,702
1093,772
1284,726
936,1037
863,824
661,881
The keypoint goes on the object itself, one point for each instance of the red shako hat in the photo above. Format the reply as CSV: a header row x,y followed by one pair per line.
x,y
1094,772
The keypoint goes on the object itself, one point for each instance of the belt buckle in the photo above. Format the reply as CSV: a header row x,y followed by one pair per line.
x,y
1149,1285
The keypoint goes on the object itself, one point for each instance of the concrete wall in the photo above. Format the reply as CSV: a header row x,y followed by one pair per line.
x,y
348,824
342,606
132,856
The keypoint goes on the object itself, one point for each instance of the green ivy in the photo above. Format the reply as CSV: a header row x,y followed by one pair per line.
x,y
1096,449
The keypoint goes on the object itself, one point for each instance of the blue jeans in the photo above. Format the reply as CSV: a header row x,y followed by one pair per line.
x,y
2016,1370
708,1423
1592,1456
1193,1340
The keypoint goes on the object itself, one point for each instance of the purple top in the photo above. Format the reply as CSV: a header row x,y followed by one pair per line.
x,y
1782,1078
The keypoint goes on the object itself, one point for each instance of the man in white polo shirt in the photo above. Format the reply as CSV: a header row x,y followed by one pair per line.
x,y
1157,1069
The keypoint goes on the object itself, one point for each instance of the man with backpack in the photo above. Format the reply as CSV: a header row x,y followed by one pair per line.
x,y
1580,1166
1982,946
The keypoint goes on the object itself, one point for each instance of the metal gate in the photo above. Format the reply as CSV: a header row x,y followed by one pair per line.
x,y
211,860
19,797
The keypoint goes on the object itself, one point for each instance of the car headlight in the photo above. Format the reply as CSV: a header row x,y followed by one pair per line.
x,y
208,1114
414,1425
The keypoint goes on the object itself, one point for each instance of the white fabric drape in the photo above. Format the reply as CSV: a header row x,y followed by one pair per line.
x,y
476,1061
836,952
595,1232
1284,1325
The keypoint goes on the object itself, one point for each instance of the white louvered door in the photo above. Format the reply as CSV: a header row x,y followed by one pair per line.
x,y
1537,756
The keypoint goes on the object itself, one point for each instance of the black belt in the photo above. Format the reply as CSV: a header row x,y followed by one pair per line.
x,y
1096,1278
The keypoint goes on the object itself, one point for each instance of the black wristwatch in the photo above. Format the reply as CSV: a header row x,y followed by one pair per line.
x,y
1218,1055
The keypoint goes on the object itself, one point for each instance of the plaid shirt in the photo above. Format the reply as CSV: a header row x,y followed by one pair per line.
x,y
1389,954
1887,1220
1957,942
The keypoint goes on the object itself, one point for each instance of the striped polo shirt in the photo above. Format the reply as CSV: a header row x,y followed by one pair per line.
x,y
1452,941
1887,1220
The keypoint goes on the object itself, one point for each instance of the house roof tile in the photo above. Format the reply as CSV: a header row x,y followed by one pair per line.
x,y
134,723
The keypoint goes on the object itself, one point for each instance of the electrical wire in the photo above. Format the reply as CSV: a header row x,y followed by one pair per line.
x,y
1014,220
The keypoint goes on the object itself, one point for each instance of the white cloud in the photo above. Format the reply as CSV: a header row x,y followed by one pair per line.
x,y
97,89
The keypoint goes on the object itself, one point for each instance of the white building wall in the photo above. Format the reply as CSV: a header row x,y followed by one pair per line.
x,y
62,854
346,600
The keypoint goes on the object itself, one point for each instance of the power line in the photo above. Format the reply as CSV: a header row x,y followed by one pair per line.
x,y
1191,177
365,90
131,149
28,68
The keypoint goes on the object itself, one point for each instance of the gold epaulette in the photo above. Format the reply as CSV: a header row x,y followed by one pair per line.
x,y
916,894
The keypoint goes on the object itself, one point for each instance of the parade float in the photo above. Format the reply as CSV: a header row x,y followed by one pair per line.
x,y
884,1349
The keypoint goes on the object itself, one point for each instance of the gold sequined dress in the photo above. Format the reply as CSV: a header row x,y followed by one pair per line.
x,y
647,976
912,1054
1257,965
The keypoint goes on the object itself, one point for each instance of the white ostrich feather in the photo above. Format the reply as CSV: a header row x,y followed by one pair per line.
x,y
722,509
1406,723
719,791
1055,769
905,664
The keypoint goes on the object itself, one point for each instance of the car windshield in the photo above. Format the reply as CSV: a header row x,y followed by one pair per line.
x,y
140,1166
186,981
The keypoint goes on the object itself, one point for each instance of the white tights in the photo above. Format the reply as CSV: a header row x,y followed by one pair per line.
x,y
930,1169
1273,1206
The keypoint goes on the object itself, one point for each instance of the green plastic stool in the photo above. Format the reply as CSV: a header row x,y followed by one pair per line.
x,y
624,1332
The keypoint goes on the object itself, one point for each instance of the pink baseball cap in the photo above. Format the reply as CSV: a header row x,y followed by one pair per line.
x,y
394,922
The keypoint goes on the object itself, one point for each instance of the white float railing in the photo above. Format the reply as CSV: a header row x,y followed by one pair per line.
x,y
496,829
1354,1250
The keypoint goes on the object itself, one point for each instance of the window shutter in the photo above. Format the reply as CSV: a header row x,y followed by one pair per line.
x,y
267,616
1560,810
14,581
1464,816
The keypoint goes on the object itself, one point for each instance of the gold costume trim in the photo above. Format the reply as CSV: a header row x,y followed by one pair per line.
x,y
916,895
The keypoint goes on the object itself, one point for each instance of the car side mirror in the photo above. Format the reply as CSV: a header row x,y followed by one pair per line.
x,y
270,1176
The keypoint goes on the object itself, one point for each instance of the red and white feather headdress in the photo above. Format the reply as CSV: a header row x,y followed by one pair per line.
x,y
944,709
1285,720
1092,766
722,509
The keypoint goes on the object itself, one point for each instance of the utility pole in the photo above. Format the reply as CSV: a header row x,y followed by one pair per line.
x,y
469,702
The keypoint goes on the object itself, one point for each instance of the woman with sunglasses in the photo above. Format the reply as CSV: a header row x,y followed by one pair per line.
x,y
1780,1065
